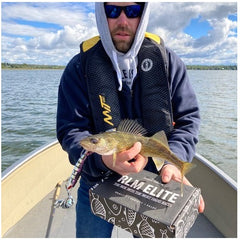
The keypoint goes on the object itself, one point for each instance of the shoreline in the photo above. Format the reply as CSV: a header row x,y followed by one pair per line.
x,y
12,66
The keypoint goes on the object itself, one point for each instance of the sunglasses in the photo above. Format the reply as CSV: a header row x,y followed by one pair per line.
x,y
132,11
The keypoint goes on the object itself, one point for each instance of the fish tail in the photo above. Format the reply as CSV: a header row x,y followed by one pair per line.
x,y
187,167
182,185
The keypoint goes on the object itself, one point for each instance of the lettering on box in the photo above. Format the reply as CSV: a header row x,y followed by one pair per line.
x,y
147,190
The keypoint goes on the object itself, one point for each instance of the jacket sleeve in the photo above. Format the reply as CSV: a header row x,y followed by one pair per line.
x,y
74,121
185,107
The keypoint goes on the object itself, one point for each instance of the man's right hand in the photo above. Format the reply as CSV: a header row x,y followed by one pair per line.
x,y
122,165
169,171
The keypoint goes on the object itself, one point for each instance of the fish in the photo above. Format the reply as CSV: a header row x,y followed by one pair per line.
x,y
129,132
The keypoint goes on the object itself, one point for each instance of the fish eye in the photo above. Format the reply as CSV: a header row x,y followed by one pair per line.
x,y
94,140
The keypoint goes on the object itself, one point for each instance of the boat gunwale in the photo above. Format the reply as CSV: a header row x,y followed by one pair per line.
x,y
231,182
26,158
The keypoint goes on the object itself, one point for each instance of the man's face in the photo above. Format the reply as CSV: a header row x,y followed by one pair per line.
x,y
123,29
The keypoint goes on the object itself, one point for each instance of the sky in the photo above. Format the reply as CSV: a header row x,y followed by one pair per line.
x,y
201,33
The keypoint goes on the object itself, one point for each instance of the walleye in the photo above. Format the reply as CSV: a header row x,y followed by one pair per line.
x,y
128,133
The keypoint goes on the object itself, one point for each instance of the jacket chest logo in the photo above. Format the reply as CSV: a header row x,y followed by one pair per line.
x,y
147,64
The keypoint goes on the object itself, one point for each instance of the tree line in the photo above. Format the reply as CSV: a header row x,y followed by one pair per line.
x,y
36,66
210,67
29,66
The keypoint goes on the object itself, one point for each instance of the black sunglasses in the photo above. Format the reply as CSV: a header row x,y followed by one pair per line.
x,y
132,11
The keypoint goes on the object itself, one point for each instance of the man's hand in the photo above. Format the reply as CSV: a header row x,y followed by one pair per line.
x,y
169,172
122,165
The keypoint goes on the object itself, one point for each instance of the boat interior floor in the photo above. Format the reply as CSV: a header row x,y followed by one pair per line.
x,y
34,223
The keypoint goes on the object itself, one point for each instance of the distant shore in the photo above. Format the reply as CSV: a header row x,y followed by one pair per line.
x,y
216,67
35,66
29,66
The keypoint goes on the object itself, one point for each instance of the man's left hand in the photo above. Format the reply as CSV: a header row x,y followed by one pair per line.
x,y
169,172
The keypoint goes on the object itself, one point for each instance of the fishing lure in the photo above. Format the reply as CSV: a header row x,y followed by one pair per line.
x,y
76,173
77,169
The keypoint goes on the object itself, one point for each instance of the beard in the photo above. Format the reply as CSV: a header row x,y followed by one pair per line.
x,y
122,45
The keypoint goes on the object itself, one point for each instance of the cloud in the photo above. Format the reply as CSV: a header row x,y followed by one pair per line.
x,y
22,30
57,13
25,43
50,33
170,19
68,37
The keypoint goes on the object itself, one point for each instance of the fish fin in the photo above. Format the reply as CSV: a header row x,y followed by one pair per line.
x,y
114,158
131,126
161,137
158,161
182,185
187,167
111,130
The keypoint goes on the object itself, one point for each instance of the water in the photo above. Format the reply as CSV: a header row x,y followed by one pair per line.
x,y
29,101
217,96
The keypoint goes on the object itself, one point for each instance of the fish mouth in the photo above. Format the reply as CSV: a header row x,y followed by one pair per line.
x,y
84,144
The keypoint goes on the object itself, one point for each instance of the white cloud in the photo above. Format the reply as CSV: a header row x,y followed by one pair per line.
x,y
22,30
56,13
68,37
76,22
170,19
45,44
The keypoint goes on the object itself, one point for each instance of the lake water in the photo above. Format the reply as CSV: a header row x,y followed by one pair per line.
x,y
29,102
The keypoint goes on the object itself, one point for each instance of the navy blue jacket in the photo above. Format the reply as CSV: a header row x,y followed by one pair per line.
x,y
74,119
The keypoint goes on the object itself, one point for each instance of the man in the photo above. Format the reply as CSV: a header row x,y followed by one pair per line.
x,y
119,76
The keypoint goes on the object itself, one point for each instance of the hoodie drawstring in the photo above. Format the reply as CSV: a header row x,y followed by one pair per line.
x,y
119,75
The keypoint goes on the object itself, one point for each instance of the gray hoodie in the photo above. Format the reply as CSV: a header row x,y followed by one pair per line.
x,y
121,61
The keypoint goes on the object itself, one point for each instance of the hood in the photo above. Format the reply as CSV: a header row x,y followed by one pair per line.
x,y
126,62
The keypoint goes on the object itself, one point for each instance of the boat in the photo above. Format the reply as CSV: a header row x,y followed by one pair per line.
x,y
31,185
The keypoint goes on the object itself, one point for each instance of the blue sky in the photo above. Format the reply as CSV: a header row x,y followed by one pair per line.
x,y
50,32
198,28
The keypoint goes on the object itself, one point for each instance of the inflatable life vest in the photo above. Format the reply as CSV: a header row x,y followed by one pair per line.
x,y
103,85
